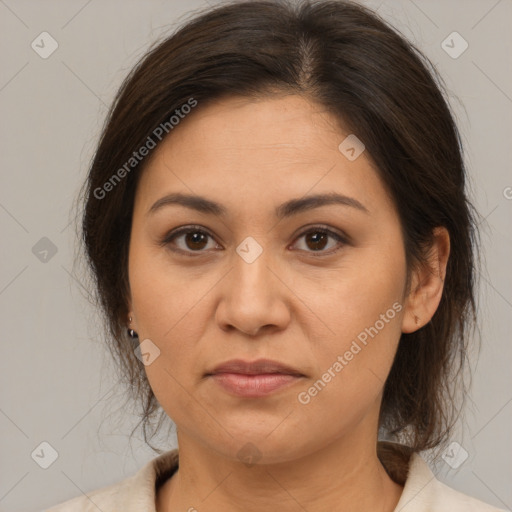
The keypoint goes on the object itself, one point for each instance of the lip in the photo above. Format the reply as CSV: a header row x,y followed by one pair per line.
x,y
254,379
257,367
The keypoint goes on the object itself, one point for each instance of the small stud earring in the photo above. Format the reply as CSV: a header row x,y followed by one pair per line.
x,y
416,319
131,332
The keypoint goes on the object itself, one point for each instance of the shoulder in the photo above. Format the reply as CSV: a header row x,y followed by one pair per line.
x,y
424,493
100,499
136,493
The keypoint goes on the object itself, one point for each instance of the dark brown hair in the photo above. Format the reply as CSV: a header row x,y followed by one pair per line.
x,y
381,88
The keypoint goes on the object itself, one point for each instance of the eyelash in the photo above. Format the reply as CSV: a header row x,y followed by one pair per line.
x,y
166,241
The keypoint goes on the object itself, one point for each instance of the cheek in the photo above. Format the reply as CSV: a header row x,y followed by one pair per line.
x,y
352,366
362,308
165,298
170,309
370,282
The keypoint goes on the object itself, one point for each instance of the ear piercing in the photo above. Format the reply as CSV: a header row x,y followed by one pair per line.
x,y
131,332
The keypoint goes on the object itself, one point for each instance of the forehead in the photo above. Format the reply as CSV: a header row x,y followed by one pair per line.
x,y
282,145
288,123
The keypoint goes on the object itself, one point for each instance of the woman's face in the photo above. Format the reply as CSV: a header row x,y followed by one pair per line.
x,y
259,281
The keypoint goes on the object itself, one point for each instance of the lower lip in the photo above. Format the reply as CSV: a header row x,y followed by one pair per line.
x,y
253,386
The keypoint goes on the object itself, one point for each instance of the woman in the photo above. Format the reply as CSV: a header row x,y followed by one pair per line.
x,y
283,249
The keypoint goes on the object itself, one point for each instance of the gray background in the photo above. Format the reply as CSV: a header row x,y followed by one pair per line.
x,y
57,382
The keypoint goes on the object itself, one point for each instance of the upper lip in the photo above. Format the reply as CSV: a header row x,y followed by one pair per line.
x,y
258,367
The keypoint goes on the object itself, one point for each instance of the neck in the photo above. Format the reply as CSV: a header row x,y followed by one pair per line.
x,y
344,476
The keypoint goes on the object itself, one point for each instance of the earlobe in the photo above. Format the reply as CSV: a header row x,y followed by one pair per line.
x,y
131,317
427,284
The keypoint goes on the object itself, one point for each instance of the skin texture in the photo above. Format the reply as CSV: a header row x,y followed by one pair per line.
x,y
291,304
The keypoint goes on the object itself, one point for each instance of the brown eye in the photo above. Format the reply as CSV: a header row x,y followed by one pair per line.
x,y
188,240
317,239
195,240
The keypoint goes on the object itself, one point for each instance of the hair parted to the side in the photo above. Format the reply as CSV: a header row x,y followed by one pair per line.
x,y
380,87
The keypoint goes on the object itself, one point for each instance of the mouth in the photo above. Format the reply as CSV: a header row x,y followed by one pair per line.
x,y
258,367
254,379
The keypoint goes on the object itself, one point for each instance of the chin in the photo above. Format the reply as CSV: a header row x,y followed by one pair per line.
x,y
257,447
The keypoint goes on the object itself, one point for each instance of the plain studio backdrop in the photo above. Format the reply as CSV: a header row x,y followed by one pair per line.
x,y
58,386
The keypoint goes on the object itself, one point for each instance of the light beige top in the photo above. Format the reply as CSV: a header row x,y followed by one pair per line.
x,y
422,491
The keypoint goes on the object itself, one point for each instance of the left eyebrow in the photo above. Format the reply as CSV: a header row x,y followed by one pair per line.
x,y
287,209
302,204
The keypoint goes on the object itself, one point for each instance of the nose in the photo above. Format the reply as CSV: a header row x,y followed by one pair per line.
x,y
253,298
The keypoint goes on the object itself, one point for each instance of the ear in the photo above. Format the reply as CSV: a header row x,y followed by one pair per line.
x,y
427,284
